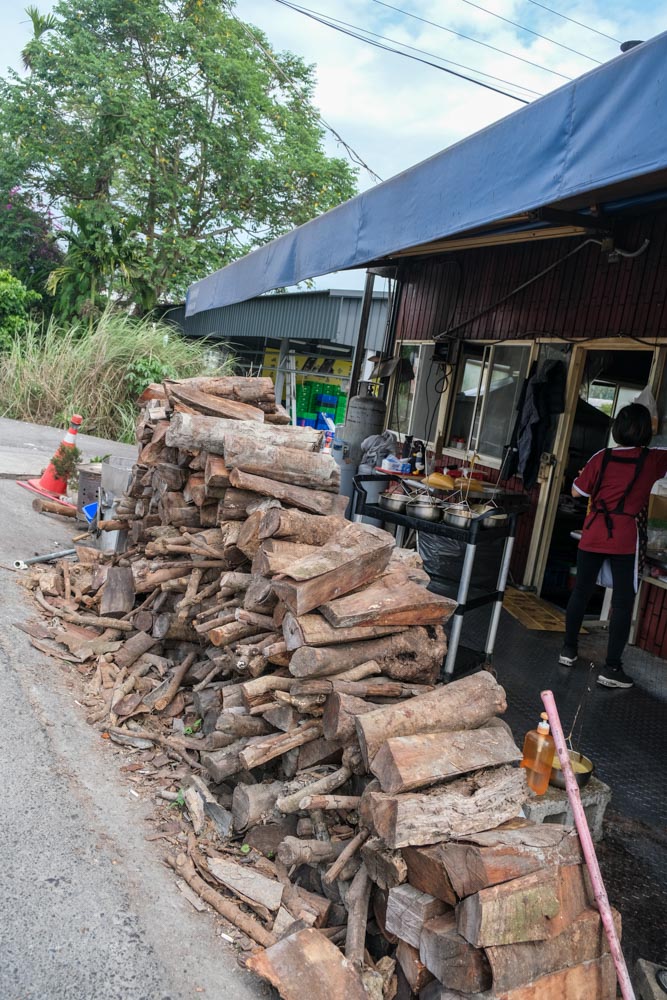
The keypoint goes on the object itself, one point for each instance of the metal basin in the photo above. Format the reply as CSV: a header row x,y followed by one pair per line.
x,y
425,509
458,516
583,769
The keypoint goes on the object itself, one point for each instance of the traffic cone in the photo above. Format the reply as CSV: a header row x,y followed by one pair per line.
x,y
50,484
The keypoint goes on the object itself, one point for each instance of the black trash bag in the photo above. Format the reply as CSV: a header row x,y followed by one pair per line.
x,y
443,561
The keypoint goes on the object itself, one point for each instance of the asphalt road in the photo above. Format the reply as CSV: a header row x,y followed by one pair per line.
x,y
87,909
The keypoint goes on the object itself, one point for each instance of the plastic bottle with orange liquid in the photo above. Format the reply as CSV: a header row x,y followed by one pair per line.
x,y
538,755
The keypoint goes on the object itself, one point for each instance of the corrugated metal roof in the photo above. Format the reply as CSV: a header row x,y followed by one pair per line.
x,y
330,315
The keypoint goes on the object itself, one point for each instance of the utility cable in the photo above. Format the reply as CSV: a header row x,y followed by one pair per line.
x,y
387,48
352,153
433,55
573,20
530,31
469,38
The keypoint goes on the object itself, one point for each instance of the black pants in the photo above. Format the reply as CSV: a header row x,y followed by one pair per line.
x,y
622,600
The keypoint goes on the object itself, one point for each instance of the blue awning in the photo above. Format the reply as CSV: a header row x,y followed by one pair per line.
x,y
583,142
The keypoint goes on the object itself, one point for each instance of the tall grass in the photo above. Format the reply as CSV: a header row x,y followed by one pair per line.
x,y
50,372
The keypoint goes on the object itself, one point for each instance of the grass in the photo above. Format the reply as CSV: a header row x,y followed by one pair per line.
x,y
49,373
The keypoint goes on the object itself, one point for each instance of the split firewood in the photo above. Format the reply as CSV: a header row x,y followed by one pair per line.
x,y
174,684
276,555
358,898
386,868
463,704
291,803
313,501
298,467
314,630
407,911
210,433
450,958
215,406
343,803
385,603
307,963
247,881
184,867
346,855
274,746
414,655
294,851
300,526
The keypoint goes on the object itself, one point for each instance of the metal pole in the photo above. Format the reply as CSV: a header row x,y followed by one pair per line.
x,y
500,587
280,371
461,597
24,563
360,349
581,824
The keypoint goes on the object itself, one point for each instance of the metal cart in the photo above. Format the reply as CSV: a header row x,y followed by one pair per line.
x,y
475,537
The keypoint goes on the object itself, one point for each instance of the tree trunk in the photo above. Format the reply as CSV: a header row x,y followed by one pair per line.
x,y
404,763
463,704
315,501
209,433
415,655
464,806
297,526
287,465
314,630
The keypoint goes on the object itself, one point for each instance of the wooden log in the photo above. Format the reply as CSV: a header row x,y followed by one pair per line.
x,y
319,752
248,539
298,526
233,505
340,711
228,634
314,630
500,855
345,855
255,692
132,649
337,568
224,763
239,726
216,475
404,763
584,940
286,465
44,506
408,909
466,805
245,388
290,803
341,803
185,869
193,432
253,803
118,592
216,406
392,600
276,555
413,655
378,687
358,898
280,416
463,704
247,882
294,851
314,501
175,682
386,868
450,958
414,970
259,596
531,908
427,872
308,964
269,747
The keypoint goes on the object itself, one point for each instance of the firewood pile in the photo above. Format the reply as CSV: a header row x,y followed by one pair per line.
x,y
273,669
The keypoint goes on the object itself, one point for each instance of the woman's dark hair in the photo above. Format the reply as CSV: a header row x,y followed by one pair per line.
x,y
632,426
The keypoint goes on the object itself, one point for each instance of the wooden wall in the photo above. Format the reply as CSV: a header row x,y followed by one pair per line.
x,y
583,297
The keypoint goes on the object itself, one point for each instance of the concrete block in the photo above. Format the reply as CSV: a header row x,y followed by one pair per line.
x,y
645,980
553,806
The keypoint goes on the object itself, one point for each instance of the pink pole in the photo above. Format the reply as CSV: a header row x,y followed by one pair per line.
x,y
581,824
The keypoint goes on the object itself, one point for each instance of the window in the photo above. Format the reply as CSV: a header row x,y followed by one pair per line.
x,y
484,410
416,400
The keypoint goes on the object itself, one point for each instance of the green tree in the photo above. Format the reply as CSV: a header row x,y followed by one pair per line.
x,y
16,301
173,128
28,245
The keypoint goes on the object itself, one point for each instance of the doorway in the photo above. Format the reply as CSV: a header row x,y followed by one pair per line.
x,y
608,381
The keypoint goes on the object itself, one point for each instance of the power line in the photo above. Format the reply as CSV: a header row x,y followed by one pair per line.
x,y
469,38
352,153
387,48
424,52
530,31
573,20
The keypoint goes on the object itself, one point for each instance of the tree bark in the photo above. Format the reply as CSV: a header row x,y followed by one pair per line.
x,y
298,526
383,603
287,465
290,803
463,704
314,630
193,432
340,711
314,501
414,655
358,898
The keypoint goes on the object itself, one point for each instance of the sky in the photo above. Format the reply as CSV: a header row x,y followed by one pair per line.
x,y
395,112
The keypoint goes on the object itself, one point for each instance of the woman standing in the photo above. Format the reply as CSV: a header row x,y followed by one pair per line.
x,y
617,482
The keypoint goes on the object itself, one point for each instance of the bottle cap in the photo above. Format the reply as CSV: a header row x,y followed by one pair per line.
x,y
543,724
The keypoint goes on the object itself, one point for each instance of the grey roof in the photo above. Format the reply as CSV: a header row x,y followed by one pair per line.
x,y
328,315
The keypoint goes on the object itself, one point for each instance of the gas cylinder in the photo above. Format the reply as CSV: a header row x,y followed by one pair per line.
x,y
365,416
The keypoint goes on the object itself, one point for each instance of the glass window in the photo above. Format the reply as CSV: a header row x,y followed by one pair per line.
x,y
416,400
485,406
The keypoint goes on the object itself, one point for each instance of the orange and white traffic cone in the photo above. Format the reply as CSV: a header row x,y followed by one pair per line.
x,y
50,484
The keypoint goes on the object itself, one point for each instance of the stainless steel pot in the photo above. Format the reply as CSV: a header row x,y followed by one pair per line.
x,y
424,508
492,520
458,516
394,501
